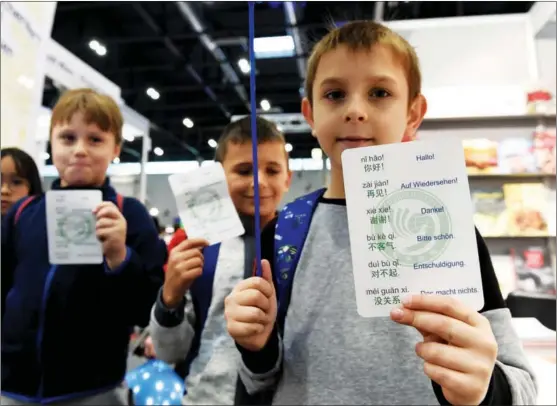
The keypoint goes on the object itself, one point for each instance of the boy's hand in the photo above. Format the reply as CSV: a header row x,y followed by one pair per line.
x,y
459,348
111,231
251,309
185,265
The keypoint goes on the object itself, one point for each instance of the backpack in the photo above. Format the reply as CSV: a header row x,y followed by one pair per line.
x,y
290,236
291,230
29,199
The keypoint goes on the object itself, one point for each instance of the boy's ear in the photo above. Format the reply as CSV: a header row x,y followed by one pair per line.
x,y
307,112
117,151
416,115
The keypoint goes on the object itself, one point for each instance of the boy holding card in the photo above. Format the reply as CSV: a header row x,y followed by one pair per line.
x,y
321,351
187,323
69,313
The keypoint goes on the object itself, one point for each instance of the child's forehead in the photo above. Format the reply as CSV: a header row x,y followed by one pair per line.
x,y
378,57
267,152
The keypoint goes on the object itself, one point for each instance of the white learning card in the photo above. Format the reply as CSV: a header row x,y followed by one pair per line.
x,y
204,204
71,227
410,223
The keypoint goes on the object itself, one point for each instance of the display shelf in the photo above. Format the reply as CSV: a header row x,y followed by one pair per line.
x,y
518,237
512,176
488,121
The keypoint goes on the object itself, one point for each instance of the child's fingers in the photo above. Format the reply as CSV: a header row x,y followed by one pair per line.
x,y
108,211
258,284
177,257
190,244
247,314
238,329
266,271
252,297
188,265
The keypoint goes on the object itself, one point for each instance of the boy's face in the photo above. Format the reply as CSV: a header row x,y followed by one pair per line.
x,y
360,99
82,152
274,177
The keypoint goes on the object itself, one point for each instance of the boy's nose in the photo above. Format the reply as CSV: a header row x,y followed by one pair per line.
x,y
355,111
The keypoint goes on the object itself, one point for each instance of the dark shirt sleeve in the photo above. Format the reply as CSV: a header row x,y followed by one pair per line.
x,y
499,392
141,275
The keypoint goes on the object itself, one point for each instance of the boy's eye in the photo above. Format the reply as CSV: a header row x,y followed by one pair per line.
x,y
68,137
379,93
334,94
244,171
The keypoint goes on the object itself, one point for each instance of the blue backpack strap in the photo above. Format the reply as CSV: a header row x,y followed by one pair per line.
x,y
201,292
290,235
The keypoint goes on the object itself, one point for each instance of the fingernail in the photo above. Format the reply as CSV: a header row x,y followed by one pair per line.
x,y
407,301
397,314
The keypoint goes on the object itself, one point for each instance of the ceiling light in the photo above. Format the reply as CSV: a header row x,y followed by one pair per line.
x,y
129,138
187,122
243,64
45,156
153,94
97,47
94,44
265,105
154,212
116,160
288,147
274,47
212,143
158,151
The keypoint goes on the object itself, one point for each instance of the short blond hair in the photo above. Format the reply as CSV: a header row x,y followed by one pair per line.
x,y
363,35
97,109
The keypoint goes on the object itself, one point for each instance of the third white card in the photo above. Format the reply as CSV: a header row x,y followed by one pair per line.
x,y
71,227
411,225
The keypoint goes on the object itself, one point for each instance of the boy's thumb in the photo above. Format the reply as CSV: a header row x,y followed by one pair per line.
x,y
266,271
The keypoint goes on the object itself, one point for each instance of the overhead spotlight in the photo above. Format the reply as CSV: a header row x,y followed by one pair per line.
x,y
129,138
187,122
244,66
158,151
212,143
288,147
45,155
116,160
154,211
97,47
153,94
265,105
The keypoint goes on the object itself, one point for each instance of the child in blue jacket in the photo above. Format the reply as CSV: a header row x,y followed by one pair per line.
x,y
66,328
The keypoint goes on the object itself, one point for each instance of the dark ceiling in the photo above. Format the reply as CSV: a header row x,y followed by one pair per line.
x,y
154,44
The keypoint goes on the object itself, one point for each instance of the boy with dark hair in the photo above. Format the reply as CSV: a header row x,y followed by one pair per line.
x,y
66,328
312,347
187,321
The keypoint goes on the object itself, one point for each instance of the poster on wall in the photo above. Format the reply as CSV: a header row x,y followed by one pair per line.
x,y
25,28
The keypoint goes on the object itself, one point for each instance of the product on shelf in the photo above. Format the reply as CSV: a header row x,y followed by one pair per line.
x,y
533,270
515,156
540,101
480,155
489,205
526,207
544,150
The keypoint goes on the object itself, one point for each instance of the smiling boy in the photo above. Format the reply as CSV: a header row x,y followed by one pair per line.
x,y
187,323
363,89
66,328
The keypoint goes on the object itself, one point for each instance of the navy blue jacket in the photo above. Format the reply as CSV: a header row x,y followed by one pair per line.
x,y
66,329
